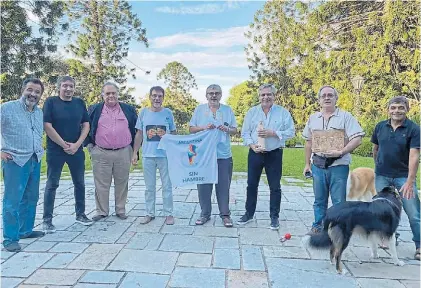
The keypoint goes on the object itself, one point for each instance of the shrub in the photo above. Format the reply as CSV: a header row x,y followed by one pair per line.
x,y
365,149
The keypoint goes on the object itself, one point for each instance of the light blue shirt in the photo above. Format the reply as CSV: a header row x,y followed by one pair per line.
x,y
150,122
278,119
21,131
203,116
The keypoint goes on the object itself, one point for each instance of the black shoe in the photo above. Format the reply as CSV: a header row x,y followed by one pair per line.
x,y
274,223
82,219
48,227
98,217
245,219
33,234
13,247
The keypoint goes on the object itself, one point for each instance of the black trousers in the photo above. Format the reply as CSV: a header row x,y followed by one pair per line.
x,y
272,162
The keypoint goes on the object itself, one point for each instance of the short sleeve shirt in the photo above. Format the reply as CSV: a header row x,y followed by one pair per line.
x,y
203,116
340,119
394,146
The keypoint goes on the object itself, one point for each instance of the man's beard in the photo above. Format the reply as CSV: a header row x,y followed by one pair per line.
x,y
30,103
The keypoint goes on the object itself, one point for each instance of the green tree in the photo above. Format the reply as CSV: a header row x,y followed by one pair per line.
x,y
23,52
301,46
177,95
100,35
242,97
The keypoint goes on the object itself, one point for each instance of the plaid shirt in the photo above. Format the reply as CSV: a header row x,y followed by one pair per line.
x,y
21,131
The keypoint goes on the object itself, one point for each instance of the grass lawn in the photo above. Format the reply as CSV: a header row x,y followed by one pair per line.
x,y
293,161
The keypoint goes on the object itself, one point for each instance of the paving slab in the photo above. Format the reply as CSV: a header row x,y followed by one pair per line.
x,y
184,277
96,257
247,279
144,261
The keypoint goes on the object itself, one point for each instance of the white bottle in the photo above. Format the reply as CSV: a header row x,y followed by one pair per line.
x,y
261,140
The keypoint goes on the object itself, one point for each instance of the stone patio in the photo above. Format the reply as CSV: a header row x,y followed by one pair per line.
x,y
123,253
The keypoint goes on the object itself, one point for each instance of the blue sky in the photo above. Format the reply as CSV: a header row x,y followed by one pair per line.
x,y
207,37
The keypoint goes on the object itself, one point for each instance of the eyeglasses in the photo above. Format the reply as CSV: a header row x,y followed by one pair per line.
x,y
155,96
327,96
266,94
213,93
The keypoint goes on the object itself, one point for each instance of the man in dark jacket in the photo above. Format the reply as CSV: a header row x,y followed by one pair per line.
x,y
110,143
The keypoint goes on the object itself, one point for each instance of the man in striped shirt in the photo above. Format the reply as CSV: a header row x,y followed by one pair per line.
x,y
21,153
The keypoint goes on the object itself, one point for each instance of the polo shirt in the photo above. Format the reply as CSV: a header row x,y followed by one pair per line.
x,y
393,154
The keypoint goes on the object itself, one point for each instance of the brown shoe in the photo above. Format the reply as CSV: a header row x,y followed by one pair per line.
x,y
98,217
227,222
169,220
122,216
147,219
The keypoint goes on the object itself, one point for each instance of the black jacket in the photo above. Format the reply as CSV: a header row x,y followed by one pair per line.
x,y
94,112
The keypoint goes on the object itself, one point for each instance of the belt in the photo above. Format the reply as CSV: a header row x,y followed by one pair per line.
x,y
112,149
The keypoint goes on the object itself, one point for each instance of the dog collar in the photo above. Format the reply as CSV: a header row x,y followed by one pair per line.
x,y
381,198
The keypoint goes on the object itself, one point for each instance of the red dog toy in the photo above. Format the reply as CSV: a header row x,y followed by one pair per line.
x,y
285,238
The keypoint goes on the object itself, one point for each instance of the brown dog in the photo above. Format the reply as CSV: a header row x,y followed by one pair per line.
x,y
360,186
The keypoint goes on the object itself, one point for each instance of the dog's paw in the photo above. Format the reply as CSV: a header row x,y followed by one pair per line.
x,y
399,263
342,272
374,256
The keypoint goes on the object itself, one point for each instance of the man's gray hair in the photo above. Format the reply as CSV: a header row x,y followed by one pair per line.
x,y
64,79
271,86
399,100
215,87
328,86
109,84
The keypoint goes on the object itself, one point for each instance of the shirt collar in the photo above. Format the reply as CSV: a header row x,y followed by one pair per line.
x,y
404,124
25,107
335,113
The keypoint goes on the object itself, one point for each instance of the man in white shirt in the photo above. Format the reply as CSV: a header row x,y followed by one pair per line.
x,y
278,127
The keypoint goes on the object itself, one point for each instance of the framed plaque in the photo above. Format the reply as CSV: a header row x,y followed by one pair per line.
x,y
327,140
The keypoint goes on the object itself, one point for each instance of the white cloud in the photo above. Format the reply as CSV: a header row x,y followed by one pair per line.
x,y
155,61
233,36
208,8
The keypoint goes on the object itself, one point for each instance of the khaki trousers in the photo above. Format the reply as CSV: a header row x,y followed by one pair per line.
x,y
108,164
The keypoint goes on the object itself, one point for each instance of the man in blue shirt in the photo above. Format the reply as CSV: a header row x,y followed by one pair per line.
x,y
396,153
66,123
215,115
278,127
21,154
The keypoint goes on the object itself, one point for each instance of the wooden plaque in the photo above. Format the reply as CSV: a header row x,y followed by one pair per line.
x,y
327,140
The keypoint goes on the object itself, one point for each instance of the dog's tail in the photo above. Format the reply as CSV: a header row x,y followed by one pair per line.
x,y
320,240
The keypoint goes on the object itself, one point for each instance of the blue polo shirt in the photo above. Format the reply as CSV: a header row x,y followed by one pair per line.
x,y
393,154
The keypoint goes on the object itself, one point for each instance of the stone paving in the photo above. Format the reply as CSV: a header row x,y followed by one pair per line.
x,y
123,253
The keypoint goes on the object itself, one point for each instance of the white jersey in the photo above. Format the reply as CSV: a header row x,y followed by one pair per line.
x,y
192,159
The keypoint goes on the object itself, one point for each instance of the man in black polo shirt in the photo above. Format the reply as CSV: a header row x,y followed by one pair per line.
x,y
66,123
396,155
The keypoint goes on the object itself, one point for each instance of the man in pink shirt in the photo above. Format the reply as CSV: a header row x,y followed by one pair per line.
x,y
110,143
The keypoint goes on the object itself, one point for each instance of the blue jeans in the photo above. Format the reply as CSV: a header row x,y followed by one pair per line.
x,y
149,173
333,180
21,193
411,206
55,163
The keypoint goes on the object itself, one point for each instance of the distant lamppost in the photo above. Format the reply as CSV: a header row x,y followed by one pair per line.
x,y
358,82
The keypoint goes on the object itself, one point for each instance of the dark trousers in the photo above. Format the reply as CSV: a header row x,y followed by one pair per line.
x,y
272,162
55,163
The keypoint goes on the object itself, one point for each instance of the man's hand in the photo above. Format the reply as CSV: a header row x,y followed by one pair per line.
x,y
307,168
223,128
6,156
72,148
265,133
256,148
134,159
210,126
90,146
160,132
333,153
407,190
